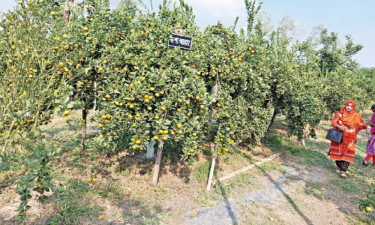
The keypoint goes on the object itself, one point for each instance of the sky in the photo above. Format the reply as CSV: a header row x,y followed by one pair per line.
x,y
345,17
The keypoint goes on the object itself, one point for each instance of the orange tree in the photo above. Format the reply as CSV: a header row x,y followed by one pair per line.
x,y
154,91
31,88
161,93
296,87
240,105
28,87
338,76
92,28
284,83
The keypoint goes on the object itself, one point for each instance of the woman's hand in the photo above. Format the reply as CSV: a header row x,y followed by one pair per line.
x,y
341,128
369,124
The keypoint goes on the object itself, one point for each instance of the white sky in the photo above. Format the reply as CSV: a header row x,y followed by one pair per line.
x,y
346,17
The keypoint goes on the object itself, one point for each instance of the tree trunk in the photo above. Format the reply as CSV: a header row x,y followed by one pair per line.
x,y
4,147
271,122
67,11
95,90
158,157
275,112
84,128
157,164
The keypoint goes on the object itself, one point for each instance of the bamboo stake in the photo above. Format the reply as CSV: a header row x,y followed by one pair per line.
x,y
213,162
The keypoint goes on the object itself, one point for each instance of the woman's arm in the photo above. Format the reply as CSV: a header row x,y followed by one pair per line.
x,y
361,125
335,122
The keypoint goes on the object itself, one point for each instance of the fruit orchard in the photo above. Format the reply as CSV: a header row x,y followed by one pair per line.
x,y
56,58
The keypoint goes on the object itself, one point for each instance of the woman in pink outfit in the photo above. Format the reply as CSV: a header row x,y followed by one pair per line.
x,y
370,150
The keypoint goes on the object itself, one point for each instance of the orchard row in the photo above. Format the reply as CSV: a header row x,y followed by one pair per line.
x,y
55,60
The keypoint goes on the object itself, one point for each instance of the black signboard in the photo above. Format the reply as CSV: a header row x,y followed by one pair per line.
x,y
180,41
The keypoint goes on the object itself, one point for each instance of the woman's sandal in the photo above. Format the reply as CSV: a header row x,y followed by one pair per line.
x,y
365,163
343,175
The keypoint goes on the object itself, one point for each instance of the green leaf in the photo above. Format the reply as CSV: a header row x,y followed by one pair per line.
x,y
31,184
66,100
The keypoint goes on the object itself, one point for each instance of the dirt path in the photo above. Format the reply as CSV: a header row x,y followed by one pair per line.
x,y
283,198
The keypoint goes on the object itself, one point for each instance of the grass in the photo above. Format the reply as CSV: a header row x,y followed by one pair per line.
x,y
346,186
271,166
202,171
111,191
316,189
361,221
70,209
77,203
224,164
234,187
279,144
237,158
257,214
316,144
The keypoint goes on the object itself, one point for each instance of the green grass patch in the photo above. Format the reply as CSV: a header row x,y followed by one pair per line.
x,y
271,166
235,158
202,171
238,185
362,221
278,144
310,157
258,214
111,191
347,186
14,162
71,204
316,144
144,215
315,189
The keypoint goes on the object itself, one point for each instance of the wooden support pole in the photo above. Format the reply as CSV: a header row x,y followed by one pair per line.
x,y
212,168
213,161
157,164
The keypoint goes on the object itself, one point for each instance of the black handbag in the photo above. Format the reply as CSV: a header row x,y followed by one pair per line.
x,y
334,135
